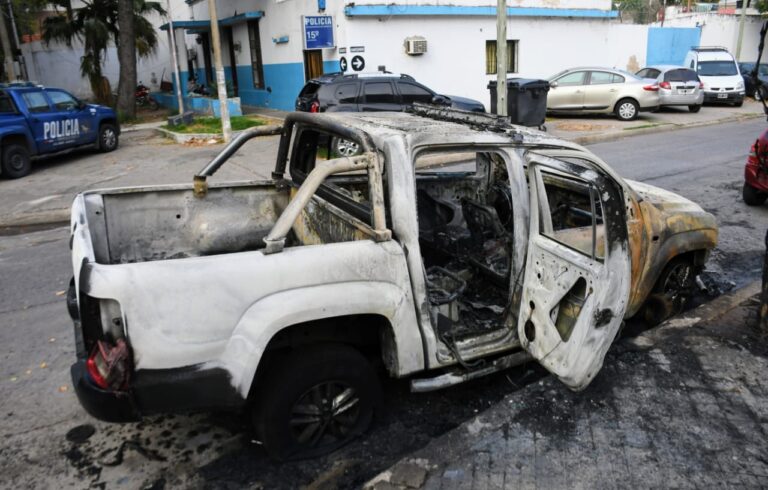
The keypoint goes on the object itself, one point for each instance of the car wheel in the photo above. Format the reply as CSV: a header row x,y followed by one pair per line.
x,y
108,137
346,148
671,292
315,401
751,196
627,109
738,104
694,108
16,161
757,95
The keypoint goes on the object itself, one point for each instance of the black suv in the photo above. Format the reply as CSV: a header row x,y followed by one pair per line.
x,y
382,91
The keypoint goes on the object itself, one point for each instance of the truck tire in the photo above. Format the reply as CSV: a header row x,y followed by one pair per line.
x,y
16,161
671,291
751,196
108,137
314,401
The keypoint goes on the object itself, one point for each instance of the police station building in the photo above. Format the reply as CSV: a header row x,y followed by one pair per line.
x,y
271,47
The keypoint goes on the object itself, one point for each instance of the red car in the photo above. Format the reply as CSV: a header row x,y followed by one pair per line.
x,y
756,172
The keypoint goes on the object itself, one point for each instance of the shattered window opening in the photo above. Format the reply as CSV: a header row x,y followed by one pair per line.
x,y
572,214
464,209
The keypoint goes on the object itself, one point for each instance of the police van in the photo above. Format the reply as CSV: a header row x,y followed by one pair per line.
x,y
36,121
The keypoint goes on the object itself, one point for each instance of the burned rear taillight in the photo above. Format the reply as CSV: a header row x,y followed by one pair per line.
x,y
651,88
314,107
109,365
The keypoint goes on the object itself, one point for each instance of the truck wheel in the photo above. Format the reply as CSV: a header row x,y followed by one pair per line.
x,y
671,292
751,196
16,162
626,109
107,137
345,148
315,401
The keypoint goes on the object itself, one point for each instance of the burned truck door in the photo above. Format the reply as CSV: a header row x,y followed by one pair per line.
x,y
577,276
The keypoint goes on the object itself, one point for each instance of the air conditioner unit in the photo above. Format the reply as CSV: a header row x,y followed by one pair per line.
x,y
415,45
191,54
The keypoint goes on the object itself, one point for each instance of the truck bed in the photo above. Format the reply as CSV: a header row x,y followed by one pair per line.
x,y
130,225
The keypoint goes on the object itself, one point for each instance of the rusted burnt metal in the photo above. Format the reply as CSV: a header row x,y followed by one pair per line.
x,y
275,241
200,183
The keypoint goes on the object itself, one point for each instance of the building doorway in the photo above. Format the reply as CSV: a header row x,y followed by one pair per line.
x,y
232,59
313,64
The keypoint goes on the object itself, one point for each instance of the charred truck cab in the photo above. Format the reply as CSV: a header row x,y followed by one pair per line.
x,y
453,246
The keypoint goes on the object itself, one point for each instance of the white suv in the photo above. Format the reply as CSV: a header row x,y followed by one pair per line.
x,y
719,72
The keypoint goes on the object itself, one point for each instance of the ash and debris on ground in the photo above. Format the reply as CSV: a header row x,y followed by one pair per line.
x,y
683,406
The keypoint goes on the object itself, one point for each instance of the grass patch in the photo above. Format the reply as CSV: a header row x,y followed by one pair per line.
x,y
212,125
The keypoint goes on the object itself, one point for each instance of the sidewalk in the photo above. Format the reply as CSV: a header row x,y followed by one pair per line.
x,y
590,129
684,405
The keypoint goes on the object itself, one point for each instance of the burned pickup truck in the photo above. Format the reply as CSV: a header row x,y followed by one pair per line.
x,y
455,245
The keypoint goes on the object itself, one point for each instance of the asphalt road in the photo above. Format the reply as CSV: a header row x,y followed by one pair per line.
x,y
706,165
38,408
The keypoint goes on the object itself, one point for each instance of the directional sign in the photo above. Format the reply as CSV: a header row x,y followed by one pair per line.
x,y
358,63
343,64
318,31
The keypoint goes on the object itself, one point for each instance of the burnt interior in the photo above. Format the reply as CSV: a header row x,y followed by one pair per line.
x,y
464,207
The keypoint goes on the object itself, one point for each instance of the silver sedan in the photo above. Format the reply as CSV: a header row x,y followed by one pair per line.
x,y
594,90
677,85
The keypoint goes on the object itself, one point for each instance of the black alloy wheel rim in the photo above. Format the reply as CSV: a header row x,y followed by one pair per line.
x,y
325,415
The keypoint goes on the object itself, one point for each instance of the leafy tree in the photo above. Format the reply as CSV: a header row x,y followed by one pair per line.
x,y
96,25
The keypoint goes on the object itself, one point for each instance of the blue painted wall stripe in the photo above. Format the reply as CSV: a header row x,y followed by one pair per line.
x,y
387,10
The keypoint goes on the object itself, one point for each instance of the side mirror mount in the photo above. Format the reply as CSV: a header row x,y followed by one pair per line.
x,y
553,84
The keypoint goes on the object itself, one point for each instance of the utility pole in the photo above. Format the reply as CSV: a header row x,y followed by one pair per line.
x,y
501,57
172,39
22,61
741,28
221,83
10,72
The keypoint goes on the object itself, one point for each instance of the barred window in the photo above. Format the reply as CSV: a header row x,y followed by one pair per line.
x,y
490,56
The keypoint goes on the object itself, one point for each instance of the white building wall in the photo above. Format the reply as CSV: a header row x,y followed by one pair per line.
x,y
455,60
58,65
723,30
560,4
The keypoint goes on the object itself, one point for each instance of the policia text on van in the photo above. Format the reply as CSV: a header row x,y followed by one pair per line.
x,y
37,122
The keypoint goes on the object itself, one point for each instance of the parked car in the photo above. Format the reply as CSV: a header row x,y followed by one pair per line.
x,y
370,92
755,188
719,72
36,122
678,86
601,91
429,254
750,87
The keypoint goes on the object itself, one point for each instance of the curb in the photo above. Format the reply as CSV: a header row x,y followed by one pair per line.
x,y
708,312
624,133
40,219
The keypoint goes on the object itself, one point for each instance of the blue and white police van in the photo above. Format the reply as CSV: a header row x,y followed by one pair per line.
x,y
36,121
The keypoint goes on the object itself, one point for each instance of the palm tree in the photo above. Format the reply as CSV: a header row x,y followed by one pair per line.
x,y
95,24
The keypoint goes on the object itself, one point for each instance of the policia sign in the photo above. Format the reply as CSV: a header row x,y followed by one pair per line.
x,y
318,31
